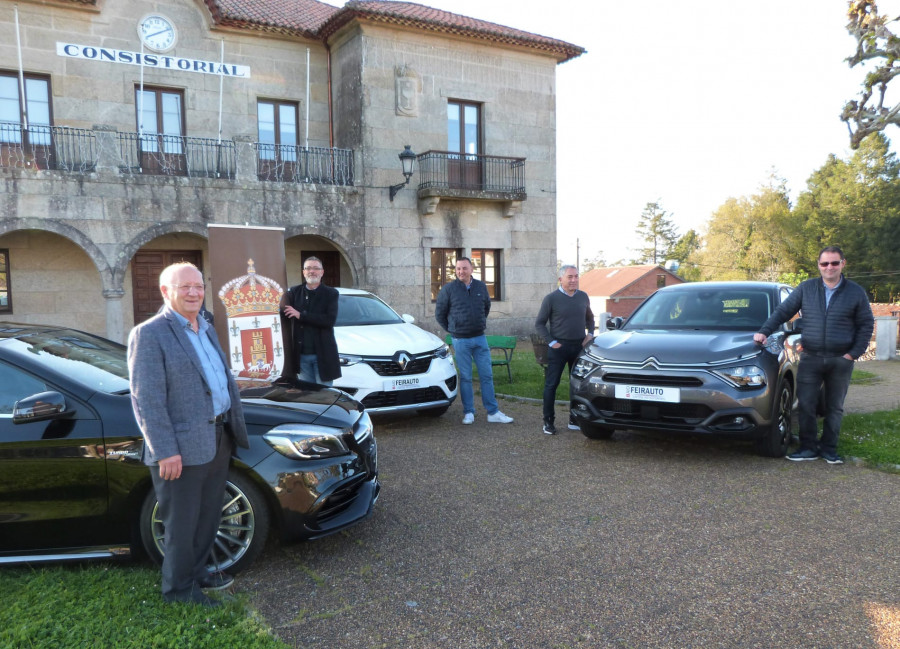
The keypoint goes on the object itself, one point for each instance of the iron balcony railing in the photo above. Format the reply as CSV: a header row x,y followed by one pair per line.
x,y
470,172
42,146
290,163
176,155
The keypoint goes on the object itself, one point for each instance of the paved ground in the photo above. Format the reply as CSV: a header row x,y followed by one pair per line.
x,y
499,536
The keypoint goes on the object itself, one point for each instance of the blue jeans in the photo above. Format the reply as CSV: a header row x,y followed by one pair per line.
x,y
834,373
309,370
467,350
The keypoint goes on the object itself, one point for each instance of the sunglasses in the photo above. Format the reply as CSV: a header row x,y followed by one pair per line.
x,y
826,264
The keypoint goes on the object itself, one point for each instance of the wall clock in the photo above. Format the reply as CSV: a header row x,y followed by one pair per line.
x,y
157,33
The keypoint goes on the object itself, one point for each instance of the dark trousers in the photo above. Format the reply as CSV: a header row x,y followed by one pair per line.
x,y
557,359
191,509
834,373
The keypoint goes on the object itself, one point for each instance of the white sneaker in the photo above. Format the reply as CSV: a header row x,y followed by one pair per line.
x,y
499,418
469,418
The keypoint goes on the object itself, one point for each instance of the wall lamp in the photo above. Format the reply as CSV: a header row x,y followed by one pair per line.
x,y
407,159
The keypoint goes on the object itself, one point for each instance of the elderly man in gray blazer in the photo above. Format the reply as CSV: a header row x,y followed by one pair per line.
x,y
188,407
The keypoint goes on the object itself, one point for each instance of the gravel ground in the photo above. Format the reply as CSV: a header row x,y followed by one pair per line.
x,y
499,536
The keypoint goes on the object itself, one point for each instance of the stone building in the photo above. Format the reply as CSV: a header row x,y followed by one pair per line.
x,y
129,127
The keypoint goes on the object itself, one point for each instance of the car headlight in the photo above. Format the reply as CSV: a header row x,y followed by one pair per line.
x,y
743,376
583,367
347,360
306,441
442,352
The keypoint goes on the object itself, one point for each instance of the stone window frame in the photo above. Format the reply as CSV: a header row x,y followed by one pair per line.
x,y
6,302
444,270
491,271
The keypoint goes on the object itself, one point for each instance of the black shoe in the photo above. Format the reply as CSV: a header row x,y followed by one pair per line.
x,y
832,458
573,424
803,455
549,428
217,581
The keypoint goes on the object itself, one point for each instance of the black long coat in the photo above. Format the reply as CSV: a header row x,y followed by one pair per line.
x,y
321,319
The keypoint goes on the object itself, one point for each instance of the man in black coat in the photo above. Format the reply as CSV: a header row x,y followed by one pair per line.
x,y
310,311
837,327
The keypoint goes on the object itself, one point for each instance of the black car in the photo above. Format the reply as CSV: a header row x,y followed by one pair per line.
x,y
71,479
685,361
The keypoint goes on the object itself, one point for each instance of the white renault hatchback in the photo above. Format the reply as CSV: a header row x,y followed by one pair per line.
x,y
389,364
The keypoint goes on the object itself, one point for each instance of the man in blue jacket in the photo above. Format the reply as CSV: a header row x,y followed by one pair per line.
x,y
462,309
837,327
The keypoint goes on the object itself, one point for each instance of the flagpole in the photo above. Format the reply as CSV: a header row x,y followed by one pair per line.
x,y
221,85
22,101
141,97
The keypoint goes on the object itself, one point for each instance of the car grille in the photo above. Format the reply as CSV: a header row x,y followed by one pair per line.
x,y
389,367
666,415
341,499
653,379
403,397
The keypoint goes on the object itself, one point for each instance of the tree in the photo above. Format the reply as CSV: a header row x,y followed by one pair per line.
x,y
658,232
682,252
878,46
597,261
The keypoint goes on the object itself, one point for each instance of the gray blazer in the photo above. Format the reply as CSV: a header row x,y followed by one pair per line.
x,y
171,400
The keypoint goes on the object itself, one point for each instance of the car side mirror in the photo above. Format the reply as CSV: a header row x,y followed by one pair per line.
x,y
794,326
615,323
39,407
408,318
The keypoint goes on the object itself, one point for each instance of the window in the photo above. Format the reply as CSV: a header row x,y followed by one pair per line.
x,y
15,385
443,268
487,269
464,138
160,120
5,297
35,142
660,280
277,125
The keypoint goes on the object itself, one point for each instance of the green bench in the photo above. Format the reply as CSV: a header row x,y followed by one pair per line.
x,y
502,348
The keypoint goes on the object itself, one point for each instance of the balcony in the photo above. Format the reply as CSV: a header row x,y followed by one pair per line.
x,y
294,164
461,176
42,146
84,151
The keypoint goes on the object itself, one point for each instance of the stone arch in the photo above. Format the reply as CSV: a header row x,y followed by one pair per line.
x,y
130,248
344,247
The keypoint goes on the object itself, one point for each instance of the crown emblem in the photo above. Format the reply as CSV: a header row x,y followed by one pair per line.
x,y
250,294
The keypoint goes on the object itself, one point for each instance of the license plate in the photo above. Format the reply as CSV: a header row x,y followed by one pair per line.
x,y
391,385
648,393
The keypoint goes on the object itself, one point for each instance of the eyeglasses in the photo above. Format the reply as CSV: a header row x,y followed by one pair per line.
x,y
312,268
187,288
826,264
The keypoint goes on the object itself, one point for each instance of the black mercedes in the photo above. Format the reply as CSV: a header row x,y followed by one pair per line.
x,y
685,361
72,484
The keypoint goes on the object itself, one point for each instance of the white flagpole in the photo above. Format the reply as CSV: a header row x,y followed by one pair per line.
x,y
221,84
141,97
307,98
21,72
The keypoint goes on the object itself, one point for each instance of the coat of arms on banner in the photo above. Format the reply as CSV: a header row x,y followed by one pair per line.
x,y
254,327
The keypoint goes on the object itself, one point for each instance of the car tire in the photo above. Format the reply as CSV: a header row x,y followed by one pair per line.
x,y
435,412
777,437
242,531
595,431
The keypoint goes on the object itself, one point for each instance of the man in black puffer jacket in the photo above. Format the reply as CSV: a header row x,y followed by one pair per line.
x,y
837,326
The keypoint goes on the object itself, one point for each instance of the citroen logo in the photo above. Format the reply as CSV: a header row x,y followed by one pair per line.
x,y
402,359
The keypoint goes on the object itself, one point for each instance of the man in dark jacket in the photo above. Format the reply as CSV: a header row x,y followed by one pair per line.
x,y
563,320
837,326
462,308
310,311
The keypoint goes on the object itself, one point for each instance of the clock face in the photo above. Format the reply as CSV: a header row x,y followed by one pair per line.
x,y
157,33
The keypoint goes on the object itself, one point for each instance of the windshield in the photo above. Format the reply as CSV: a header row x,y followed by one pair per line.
x,y
364,310
90,360
730,309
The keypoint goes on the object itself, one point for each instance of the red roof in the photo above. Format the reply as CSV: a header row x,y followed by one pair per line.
x,y
318,20
606,282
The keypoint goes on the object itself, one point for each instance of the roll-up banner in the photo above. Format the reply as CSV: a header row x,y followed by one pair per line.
x,y
248,276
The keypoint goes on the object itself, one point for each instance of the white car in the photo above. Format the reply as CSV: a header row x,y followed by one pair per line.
x,y
389,364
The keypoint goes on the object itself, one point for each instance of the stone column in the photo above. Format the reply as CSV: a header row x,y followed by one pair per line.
x,y
244,158
115,321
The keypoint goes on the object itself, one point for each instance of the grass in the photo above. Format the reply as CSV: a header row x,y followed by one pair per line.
x,y
100,606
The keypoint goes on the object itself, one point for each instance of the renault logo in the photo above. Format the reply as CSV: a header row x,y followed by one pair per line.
x,y
402,359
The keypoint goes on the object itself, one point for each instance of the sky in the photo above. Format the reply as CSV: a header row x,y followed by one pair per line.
x,y
685,104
